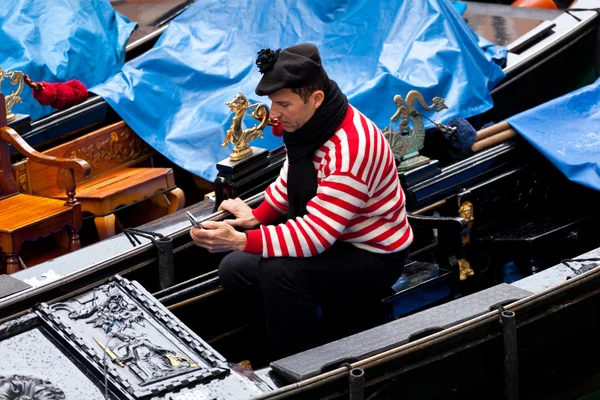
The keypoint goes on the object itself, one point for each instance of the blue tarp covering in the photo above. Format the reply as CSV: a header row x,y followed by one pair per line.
x,y
566,131
174,95
59,40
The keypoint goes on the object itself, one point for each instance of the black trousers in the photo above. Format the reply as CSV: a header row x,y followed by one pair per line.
x,y
293,288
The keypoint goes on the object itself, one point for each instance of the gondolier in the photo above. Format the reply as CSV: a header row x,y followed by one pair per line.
x,y
346,230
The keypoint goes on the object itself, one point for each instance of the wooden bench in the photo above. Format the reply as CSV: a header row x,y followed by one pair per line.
x,y
26,217
112,153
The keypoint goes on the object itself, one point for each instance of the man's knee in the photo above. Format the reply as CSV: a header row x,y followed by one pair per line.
x,y
236,269
275,274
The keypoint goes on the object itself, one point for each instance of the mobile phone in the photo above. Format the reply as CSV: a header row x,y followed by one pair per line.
x,y
194,221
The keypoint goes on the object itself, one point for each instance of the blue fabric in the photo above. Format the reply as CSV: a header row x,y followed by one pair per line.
x,y
59,40
460,6
174,95
495,53
566,131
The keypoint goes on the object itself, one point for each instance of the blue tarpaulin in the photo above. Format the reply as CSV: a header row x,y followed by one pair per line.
x,y
59,40
174,95
566,131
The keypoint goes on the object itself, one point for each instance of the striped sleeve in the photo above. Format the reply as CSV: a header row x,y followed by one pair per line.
x,y
339,197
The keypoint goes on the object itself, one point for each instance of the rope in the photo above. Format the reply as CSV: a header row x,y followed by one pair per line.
x,y
32,84
580,261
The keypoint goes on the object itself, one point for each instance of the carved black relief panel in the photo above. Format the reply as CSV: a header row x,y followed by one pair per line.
x,y
119,328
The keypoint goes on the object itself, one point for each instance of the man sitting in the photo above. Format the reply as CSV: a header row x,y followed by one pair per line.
x,y
346,231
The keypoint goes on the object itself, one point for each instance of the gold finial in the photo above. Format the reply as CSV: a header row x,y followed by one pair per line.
x,y
15,78
239,137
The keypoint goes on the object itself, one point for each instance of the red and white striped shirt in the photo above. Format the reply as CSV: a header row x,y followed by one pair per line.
x,y
359,199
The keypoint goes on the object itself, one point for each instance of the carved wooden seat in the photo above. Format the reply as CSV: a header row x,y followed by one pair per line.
x,y
112,152
26,217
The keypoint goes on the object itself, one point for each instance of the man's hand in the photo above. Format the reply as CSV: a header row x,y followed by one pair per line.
x,y
242,211
218,237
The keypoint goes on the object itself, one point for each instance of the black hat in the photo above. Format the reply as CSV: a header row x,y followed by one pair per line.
x,y
294,67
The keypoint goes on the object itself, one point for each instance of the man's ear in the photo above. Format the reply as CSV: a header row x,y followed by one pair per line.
x,y
317,98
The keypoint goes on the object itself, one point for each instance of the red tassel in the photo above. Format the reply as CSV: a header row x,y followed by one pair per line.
x,y
276,128
59,95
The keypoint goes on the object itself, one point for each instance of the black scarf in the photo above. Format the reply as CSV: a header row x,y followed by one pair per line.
x,y
303,142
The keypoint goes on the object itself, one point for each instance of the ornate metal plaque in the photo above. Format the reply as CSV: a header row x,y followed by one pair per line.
x,y
121,331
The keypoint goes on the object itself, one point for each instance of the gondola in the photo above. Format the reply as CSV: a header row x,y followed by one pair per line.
x,y
221,334
458,348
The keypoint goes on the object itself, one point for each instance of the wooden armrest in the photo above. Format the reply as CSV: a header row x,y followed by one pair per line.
x,y
456,224
79,166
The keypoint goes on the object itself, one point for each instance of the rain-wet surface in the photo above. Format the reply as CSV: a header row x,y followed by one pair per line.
x,y
554,275
501,24
148,13
33,354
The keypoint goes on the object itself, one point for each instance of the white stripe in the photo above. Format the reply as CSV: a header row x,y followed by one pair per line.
x,y
380,163
311,235
334,209
348,180
330,222
382,229
372,249
265,252
386,208
385,157
372,157
318,228
303,243
362,143
275,241
319,154
389,181
344,151
288,240
278,198
332,160
342,195
370,221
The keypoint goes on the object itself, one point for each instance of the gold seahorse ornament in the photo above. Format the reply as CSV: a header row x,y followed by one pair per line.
x,y
239,137
407,140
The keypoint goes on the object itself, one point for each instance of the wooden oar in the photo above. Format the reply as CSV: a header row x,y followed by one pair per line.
x,y
492,130
493,140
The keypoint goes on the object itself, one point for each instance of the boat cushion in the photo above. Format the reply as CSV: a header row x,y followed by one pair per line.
x,y
365,344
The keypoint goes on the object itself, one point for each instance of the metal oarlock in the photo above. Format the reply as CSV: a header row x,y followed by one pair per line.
x,y
164,245
511,359
357,384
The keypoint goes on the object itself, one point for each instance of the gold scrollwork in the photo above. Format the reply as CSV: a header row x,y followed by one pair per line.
x,y
120,146
16,79
239,137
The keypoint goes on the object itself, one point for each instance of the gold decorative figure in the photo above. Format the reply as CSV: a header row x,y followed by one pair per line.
x,y
466,211
406,141
239,137
16,79
465,269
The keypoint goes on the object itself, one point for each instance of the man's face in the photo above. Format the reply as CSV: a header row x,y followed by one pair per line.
x,y
291,110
